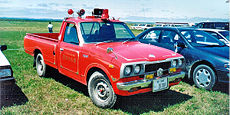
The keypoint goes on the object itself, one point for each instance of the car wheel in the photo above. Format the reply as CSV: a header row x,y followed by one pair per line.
x,y
204,77
101,91
40,65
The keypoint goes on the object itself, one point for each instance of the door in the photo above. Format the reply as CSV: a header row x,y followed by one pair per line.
x,y
69,51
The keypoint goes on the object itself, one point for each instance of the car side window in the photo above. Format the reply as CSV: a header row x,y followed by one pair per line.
x,y
71,34
215,35
153,36
169,37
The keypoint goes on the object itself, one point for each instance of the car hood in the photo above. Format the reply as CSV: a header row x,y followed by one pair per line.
x,y
136,51
3,61
219,51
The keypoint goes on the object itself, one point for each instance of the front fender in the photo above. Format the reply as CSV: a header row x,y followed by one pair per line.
x,y
99,66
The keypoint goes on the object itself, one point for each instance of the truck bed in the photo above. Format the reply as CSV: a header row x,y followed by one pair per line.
x,y
44,43
48,36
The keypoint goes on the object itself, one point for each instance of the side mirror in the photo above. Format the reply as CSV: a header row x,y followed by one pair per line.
x,y
177,45
181,44
3,47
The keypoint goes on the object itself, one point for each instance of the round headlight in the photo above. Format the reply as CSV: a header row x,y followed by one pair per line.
x,y
180,62
128,70
137,69
173,63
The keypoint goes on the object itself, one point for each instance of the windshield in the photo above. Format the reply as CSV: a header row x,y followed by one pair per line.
x,y
225,34
100,32
200,38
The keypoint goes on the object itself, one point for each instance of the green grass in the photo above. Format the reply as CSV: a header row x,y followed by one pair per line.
x,y
57,94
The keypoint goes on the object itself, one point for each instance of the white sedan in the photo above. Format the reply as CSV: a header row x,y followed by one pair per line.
x,y
222,35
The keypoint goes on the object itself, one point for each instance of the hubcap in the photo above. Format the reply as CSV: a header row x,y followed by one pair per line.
x,y
101,90
203,77
39,65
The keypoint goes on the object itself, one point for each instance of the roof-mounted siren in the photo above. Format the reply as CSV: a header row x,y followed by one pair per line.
x,y
101,13
81,12
70,11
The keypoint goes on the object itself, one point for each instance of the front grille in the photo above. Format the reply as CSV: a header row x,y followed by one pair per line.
x,y
156,66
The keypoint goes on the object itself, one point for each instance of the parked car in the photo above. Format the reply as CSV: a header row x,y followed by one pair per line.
x,y
142,26
222,35
101,53
6,73
207,59
138,26
147,26
213,25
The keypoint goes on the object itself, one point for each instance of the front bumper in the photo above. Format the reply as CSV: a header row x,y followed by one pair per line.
x,y
223,76
127,86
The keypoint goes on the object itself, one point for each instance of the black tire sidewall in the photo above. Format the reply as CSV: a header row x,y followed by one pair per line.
x,y
212,73
43,64
112,99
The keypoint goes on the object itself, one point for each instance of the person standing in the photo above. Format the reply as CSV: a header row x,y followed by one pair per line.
x,y
50,27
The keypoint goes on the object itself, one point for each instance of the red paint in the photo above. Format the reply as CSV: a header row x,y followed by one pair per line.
x,y
76,60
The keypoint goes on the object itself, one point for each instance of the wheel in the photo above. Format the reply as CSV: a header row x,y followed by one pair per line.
x,y
101,91
40,65
204,77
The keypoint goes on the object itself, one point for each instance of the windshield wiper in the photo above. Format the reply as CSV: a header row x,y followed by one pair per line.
x,y
128,40
106,41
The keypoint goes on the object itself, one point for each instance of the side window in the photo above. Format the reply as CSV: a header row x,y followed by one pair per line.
x,y
71,34
214,34
153,36
121,31
170,37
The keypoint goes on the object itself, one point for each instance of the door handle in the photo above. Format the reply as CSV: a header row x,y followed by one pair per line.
x,y
61,49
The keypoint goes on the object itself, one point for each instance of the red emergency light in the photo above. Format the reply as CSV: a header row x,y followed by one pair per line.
x,y
81,12
70,12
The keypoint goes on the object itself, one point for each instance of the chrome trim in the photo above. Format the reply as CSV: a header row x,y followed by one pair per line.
x,y
7,79
143,63
145,83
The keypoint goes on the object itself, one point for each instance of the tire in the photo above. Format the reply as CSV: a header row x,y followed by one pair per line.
x,y
101,91
204,77
40,65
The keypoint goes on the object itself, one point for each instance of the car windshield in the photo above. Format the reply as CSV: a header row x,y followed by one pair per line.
x,y
225,34
94,32
200,38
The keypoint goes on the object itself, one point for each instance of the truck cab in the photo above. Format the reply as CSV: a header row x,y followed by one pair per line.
x,y
103,54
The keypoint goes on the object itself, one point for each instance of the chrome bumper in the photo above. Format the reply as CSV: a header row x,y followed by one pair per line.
x,y
145,83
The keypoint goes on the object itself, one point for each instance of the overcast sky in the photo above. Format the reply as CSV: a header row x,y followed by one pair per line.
x,y
117,8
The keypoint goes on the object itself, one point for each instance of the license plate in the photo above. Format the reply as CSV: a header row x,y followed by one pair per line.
x,y
160,84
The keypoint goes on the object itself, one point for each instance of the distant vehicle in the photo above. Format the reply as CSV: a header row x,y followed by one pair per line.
x,y
147,26
173,24
142,26
103,54
222,35
213,25
207,59
137,26
6,73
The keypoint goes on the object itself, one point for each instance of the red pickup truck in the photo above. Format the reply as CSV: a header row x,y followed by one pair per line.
x,y
103,54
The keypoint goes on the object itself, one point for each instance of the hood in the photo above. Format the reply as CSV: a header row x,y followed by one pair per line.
x,y
218,51
3,61
136,51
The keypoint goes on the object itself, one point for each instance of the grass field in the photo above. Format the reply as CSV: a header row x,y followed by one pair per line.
x,y
57,94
